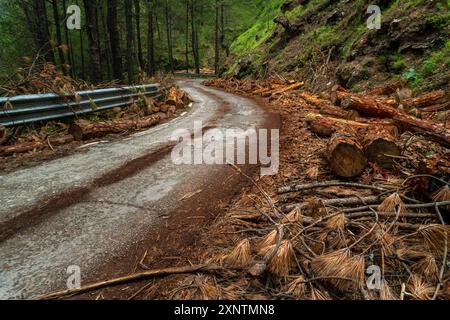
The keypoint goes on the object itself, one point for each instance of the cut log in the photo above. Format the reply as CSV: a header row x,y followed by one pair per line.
x,y
30,146
436,131
337,112
380,146
60,140
314,100
327,126
368,107
289,88
386,90
346,156
437,107
83,129
425,100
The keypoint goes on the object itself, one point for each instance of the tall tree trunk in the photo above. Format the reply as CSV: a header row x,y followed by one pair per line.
x,y
150,40
194,39
217,42
137,6
60,49
129,28
96,70
107,45
158,29
68,42
169,35
187,37
114,38
42,32
222,29
83,73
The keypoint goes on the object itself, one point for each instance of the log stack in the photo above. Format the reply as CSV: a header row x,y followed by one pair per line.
x,y
364,128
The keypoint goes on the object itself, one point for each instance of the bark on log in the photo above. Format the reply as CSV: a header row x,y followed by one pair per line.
x,y
30,146
289,88
380,146
83,129
425,100
327,126
346,156
314,100
372,108
336,202
436,107
436,131
386,90
368,107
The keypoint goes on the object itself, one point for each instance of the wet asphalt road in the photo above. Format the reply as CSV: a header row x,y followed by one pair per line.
x,y
110,219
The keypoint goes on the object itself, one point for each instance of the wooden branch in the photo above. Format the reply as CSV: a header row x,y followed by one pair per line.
x,y
289,88
336,202
131,278
303,187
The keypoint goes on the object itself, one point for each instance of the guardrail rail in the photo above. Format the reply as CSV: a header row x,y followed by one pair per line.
x,y
27,109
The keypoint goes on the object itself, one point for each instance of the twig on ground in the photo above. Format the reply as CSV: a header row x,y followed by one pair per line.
x,y
131,278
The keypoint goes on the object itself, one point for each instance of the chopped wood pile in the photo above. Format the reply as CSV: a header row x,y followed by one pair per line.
x,y
380,232
141,113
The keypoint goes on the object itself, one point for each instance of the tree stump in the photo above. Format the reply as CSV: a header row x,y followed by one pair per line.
x,y
346,156
380,146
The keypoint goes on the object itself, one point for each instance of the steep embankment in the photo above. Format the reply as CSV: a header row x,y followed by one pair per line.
x,y
324,40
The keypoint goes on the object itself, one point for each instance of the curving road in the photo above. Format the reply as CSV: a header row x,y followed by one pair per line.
x,y
89,208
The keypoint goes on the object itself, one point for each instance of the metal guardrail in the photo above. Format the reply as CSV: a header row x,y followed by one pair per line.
x,y
26,109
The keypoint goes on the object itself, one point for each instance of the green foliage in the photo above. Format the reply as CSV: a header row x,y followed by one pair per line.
x,y
398,63
260,30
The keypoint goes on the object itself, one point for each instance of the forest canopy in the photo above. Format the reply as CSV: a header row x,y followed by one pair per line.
x,y
119,39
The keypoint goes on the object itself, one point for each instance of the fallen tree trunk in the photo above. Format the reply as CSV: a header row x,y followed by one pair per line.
x,y
82,129
327,126
346,156
386,90
406,122
438,132
425,100
436,107
30,146
289,88
368,107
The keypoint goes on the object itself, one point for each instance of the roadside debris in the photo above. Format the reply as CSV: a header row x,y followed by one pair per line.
x,y
391,215
142,113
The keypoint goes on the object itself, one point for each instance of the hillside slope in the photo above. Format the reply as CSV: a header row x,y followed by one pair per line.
x,y
320,41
